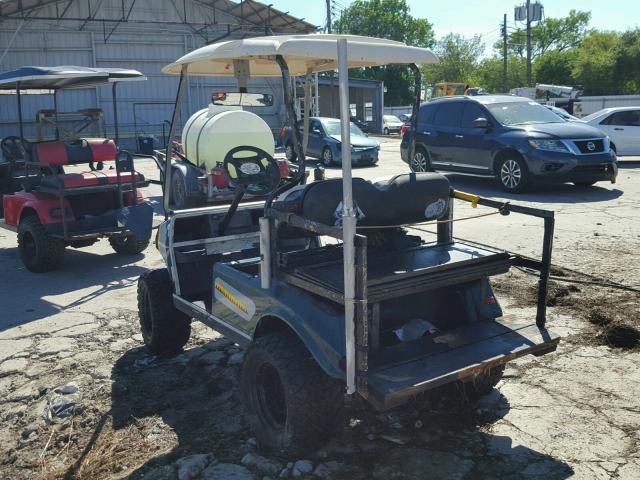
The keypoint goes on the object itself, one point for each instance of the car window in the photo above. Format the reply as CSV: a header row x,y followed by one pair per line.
x,y
332,127
629,118
472,111
449,114
391,119
426,114
522,113
314,127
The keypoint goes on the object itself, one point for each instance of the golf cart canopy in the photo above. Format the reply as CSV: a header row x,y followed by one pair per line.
x,y
58,78
302,53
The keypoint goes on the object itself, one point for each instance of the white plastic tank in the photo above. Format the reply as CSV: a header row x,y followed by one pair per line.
x,y
210,133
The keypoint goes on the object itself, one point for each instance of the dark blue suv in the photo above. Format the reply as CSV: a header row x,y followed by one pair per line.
x,y
513,139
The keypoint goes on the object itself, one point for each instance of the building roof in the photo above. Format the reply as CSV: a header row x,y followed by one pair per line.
x,y
249,12
69,76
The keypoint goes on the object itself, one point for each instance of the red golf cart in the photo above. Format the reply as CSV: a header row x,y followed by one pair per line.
x,y
51,208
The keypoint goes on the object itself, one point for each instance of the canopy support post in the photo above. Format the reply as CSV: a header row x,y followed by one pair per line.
x,y
19,110
291,116
169,151
55,110
114,100
415,108
348,219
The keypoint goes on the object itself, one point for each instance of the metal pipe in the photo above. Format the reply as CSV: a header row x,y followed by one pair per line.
x,y
55,109
19,110
307,111
543,285
417,90
265,252
114,101
348,219
166,194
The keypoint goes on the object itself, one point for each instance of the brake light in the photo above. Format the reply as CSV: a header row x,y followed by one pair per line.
x,y
283,130
283,166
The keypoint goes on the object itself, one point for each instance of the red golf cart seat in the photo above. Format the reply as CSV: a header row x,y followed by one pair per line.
x,y
93,150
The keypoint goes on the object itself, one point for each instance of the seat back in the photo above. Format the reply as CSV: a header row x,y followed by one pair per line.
x,y
403,199
85,150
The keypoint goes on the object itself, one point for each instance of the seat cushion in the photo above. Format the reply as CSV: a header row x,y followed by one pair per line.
x,y
84,150
88,179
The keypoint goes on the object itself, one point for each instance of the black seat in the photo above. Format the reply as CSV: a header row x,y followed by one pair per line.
x,y
403,199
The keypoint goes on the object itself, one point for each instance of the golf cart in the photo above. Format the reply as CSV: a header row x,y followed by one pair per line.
x,y
50,208
198,175
376,312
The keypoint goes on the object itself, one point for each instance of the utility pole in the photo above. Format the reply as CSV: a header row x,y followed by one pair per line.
x,y
504,53
328,16
528,43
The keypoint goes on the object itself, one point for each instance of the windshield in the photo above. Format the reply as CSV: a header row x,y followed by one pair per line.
x,y
522,113
392,119
332,127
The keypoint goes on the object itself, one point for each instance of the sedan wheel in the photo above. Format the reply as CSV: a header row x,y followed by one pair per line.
x,y
327,157
420,163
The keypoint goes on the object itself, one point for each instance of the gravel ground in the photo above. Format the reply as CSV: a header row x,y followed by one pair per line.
x,y
80,397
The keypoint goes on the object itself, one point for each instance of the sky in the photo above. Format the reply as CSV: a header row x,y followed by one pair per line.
x,y
483,17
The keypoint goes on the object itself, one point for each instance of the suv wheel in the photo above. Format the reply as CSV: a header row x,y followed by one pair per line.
x,y
291,404
289,152
420,161
165,329
513,175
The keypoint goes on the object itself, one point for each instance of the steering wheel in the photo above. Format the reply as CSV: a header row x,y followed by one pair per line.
x,y
257,174
14,148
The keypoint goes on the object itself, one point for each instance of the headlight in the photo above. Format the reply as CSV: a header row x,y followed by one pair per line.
x,y
549,145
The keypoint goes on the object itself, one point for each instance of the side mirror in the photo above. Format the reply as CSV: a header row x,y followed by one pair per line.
x,y
482,123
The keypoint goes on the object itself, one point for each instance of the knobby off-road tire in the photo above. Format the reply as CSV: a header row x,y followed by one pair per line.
x,y
39,251
483,383
165,329
291,405
128,245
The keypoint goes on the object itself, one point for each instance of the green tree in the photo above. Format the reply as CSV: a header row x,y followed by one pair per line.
x,y
554,66
389,19
489,73
558,34
595,62
459,60
626,66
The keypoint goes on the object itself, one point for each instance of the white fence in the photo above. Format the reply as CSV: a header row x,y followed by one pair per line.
x,y
397,110
593,104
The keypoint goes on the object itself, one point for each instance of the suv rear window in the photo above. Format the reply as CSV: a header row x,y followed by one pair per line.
x,y
426,113
449,114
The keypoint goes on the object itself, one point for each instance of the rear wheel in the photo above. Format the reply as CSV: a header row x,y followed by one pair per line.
x,y
483,383
289,152
39,251
327,157
128,245
386,131
291,404
513,175
420,161
165,329
178,195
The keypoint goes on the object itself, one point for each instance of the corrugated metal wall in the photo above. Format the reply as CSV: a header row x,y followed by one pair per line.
x,y
143,107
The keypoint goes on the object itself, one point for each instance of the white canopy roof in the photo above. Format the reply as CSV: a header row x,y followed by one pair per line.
x,y
303,53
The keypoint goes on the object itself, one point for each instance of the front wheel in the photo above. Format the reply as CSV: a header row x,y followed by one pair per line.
x,y
39,251
420,161
165,329
327,157
128,245
386,131
291,404
513,175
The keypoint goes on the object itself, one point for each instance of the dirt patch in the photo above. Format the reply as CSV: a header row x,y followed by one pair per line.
x,y
613,314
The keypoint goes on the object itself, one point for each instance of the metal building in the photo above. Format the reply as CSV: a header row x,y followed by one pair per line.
x,y
141,34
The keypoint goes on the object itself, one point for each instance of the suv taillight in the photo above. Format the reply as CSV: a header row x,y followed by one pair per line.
x,y
405,129
282,132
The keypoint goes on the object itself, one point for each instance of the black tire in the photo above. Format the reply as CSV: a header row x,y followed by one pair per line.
x,y
291,405
39,251
386,131
327,157
165,329
289,152
420,161
82,243
128,245
178,195
513,175
483,383
584,184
